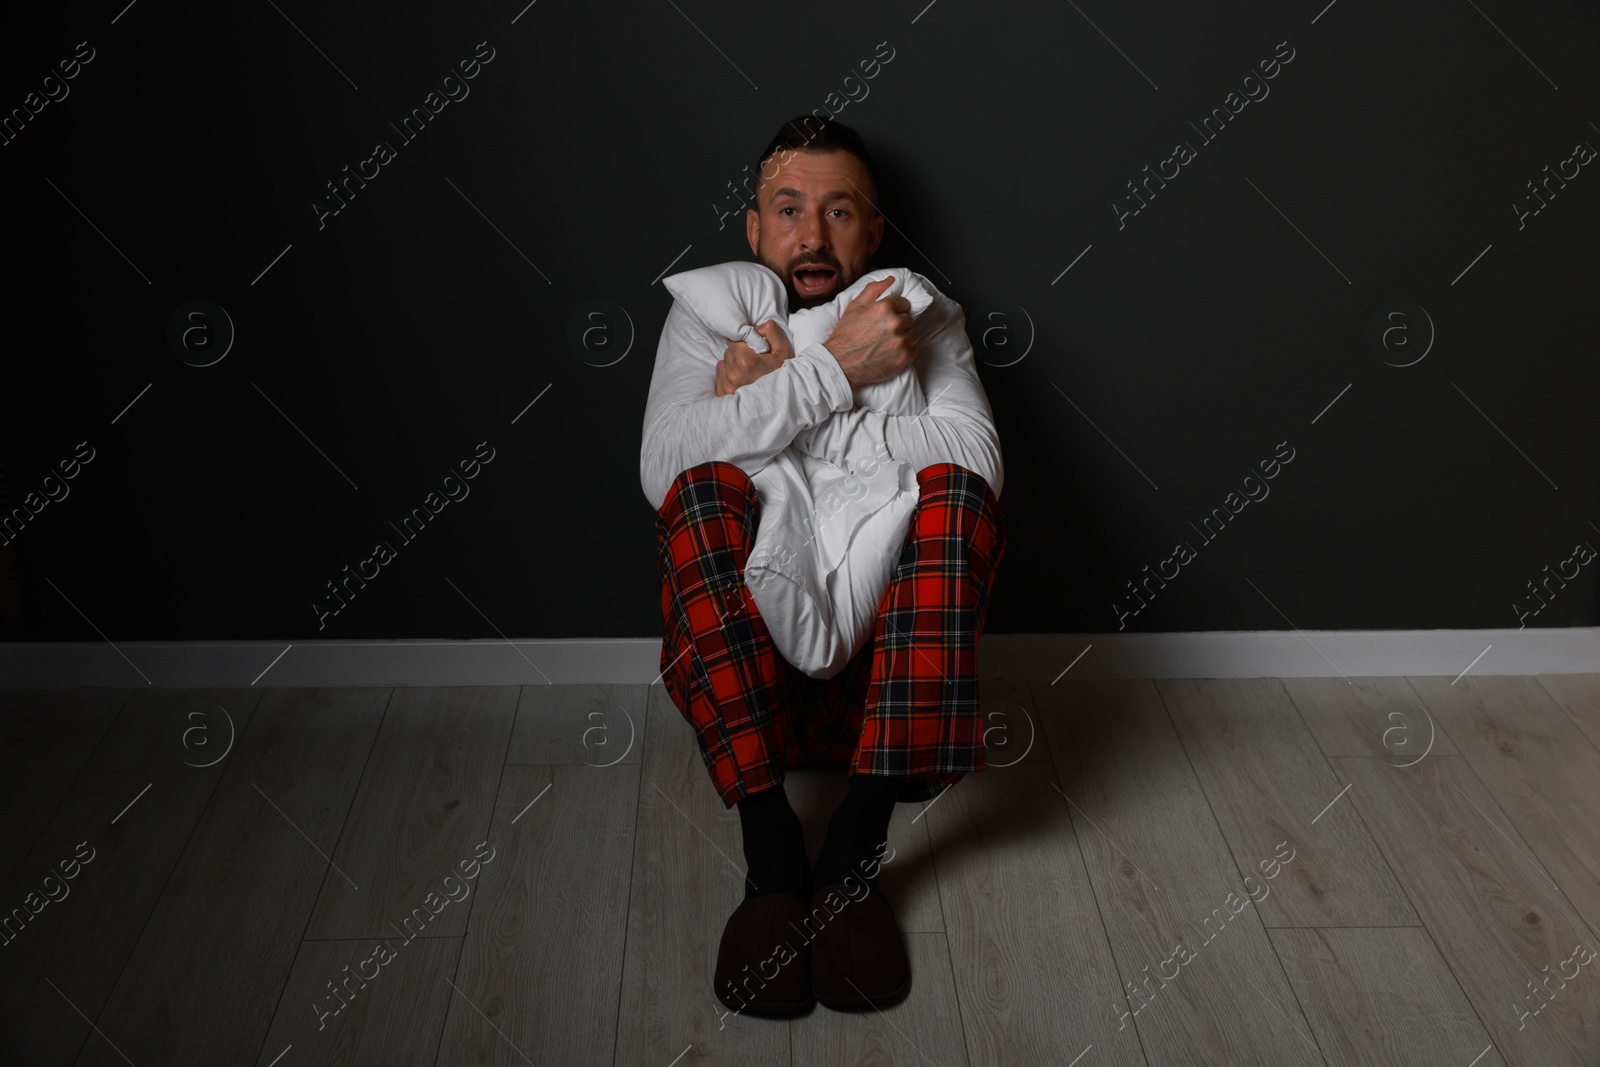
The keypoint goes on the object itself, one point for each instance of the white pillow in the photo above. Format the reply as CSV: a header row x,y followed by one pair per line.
x,y
729,299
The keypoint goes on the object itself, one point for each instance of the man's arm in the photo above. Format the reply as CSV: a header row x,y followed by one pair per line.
x,y
685,424
957,428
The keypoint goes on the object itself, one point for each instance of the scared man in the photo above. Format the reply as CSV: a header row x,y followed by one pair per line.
x,y
903,716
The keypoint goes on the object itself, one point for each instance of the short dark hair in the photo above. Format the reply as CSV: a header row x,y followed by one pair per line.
x,y
808,133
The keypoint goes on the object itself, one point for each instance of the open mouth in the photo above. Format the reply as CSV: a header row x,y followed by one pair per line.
x,y
814,281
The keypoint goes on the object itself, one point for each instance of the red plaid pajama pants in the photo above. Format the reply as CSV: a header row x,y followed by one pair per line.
x,y
906,705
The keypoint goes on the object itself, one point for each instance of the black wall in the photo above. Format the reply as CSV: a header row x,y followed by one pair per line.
x,y
1188,344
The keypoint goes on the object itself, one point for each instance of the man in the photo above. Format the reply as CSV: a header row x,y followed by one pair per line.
x,y
903,715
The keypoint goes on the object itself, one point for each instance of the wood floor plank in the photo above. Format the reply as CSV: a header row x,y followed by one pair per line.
x,y
203,980
424,805
1368,717
922,1029
907,878
600,725
1579,697
1541,770
1031,960
1496,918
541,970
46,737
1167,888
86,925
176,730
1268,782
1011,731
1378,997
688,877
350,1004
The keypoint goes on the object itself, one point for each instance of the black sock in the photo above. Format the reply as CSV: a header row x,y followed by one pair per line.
x,y
774,846
857,832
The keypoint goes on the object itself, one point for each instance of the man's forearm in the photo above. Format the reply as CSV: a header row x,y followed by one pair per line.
x,y
845,438
858,438
747,427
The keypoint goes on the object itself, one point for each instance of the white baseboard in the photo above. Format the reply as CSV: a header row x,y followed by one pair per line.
x,y
1219,654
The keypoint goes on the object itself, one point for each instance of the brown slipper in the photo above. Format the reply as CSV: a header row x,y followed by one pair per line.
x,y
858,959
763,965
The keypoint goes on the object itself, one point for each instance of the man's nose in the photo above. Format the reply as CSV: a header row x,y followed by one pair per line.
x,y
813,234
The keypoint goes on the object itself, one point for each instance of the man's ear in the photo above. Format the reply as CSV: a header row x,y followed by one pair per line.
x,y
752,230
876,226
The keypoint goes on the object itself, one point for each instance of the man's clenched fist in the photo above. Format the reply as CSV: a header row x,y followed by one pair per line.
x,y
875,339
741,364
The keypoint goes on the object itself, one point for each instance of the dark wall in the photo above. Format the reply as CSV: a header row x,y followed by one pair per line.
x,y
1340,273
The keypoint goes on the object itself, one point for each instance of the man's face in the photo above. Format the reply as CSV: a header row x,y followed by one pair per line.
x,y
813,224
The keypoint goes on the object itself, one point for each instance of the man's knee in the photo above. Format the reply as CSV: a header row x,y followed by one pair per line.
x,y
953,478
711,491
952,486
714,475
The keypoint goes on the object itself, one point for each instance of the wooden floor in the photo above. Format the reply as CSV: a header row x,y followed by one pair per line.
x,y
1232,872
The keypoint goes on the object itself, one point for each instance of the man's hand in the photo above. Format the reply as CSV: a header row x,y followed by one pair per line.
x,y
741,364
875,339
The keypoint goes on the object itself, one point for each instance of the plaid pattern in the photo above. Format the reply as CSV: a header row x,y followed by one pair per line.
x,y
906,705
